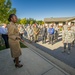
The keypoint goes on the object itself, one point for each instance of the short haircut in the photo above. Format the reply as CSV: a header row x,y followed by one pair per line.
x,y
10,16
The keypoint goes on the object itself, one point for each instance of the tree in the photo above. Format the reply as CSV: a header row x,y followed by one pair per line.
x,y
23,21
40,22
6,10
31,22
18,21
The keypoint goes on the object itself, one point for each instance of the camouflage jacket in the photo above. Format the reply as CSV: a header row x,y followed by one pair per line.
x,y
68,36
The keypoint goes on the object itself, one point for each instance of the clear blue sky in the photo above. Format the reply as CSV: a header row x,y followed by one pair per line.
x,y
40,9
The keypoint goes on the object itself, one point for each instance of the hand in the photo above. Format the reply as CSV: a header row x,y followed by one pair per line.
x,y
22,40
36,33
18,38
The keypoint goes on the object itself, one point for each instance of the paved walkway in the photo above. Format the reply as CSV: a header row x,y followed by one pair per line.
x,y
56,51
33,64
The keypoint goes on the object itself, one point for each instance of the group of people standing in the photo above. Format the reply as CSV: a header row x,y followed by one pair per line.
x,y
13,34
4,34
33,32
50,34
43,32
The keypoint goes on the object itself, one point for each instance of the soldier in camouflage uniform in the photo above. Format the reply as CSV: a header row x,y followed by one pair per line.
x,y
67,38
65,26
73,29
35,32
56,33
30,33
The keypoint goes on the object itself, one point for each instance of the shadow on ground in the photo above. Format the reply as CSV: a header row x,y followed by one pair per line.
x,y
57,53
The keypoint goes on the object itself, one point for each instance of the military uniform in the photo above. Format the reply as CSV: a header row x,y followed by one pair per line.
x,y
35,32
13,42
73,29
56,33
68,38
65,27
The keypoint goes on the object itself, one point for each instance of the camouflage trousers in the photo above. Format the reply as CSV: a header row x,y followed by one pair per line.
x,y
35,37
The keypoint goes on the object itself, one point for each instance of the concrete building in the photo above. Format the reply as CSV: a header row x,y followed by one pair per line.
x,y
60,21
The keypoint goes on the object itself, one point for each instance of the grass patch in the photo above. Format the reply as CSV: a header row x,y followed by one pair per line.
x,y
22,45
2,47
